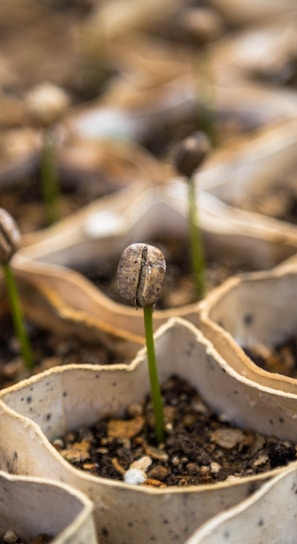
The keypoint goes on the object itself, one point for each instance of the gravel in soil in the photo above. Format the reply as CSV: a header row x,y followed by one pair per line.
x,y
281,359
11,537
199,447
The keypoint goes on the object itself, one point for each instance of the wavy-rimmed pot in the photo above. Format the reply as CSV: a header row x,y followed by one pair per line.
x,y
37,410
102,230
269,514
240,53
253,11
256,167
249,310
35,506
87,170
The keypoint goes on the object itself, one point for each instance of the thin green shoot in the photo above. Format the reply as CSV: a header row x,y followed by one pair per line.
x,y
196,245
17,316
49,178
153,374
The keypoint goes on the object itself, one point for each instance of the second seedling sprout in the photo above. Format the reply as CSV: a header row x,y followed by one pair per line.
x,y
141,272
9,240
189,155
46,105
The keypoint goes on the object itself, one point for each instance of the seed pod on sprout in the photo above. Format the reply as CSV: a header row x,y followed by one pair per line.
x,y
9,240
46,103
141,272
190,153
9,236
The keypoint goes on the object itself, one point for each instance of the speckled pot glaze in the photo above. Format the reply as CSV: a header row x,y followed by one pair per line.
x,y
268,516
250,309
32,506
40,408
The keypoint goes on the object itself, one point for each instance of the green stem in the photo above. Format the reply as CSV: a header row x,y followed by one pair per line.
x,y
49,178
207,121
153,373
197,255
17,316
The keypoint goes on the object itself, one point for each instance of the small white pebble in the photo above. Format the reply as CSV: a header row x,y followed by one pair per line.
x,y
135,410
134,476
232,478
58,443
10,536
175,461
142,464
168,427
215,467
261,460
224,418
199,407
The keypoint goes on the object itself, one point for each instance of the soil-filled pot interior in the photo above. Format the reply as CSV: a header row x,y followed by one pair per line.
x,y
10,536
281,358
278,202
199,447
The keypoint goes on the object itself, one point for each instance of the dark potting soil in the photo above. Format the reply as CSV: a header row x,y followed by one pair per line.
x,y
13,538
26,205
279,203
50,349
199,446
281,359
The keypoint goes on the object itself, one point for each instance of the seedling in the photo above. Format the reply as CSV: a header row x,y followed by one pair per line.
x,y
203,25
141,273
46,105
9,239
190,154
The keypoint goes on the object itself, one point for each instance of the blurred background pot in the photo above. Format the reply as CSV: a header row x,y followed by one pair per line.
x,y
256,310
52,266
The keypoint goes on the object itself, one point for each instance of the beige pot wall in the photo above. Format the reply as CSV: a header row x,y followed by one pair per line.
x,y
252,309
65,298
32,506
236,175
270,514
47,405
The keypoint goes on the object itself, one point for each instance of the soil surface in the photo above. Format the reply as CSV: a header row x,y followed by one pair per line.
x,y
278,203
13,538
26,204
199,446
282,359
50,349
